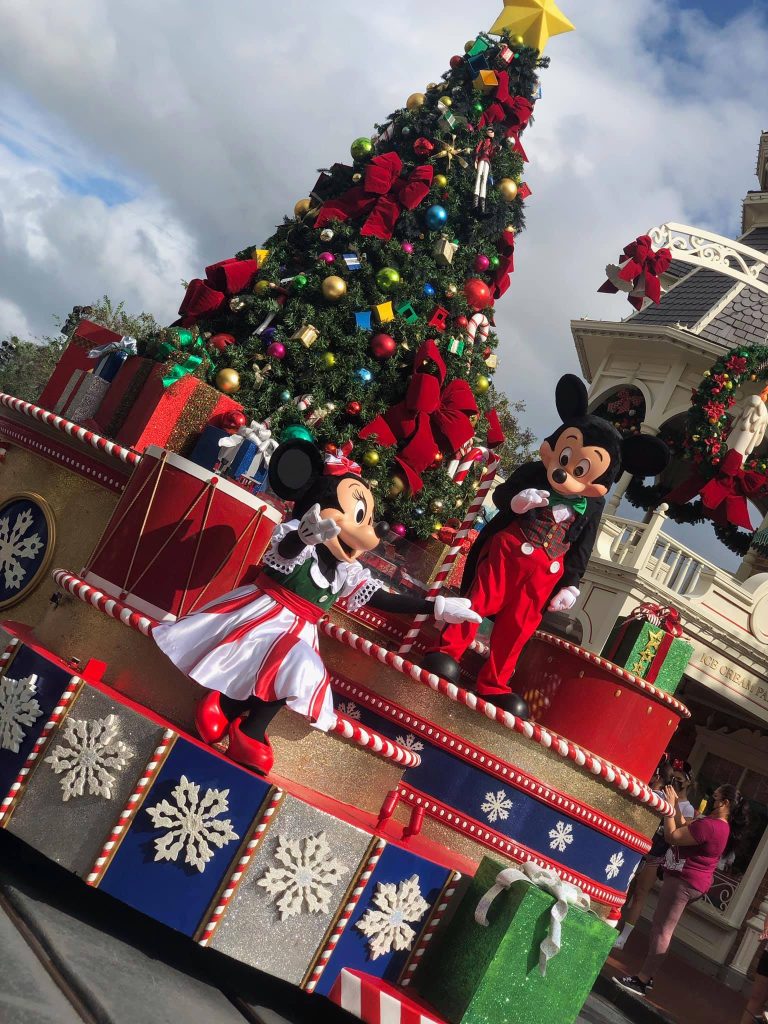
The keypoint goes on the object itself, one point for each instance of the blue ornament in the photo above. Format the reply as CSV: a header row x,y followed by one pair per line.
x,y
436,217
429,290
268,336
285,396
364,374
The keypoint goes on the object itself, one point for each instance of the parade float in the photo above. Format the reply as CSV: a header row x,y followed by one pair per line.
x,y
430,851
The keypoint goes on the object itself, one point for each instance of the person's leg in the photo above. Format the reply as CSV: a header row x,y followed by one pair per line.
x,y
674,897
642,885
757,999
486,595
259,718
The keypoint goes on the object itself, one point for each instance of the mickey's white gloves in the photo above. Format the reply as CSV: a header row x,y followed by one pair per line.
x,y
454,609
530,498
313,530
564,599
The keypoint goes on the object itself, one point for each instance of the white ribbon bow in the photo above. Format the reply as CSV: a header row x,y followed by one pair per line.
x,y
125,344
258,433
547,879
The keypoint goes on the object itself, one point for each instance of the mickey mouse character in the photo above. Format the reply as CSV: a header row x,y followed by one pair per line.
x,y
256,648
533,553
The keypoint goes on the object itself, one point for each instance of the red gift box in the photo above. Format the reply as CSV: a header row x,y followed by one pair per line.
x,y
376,1002
87,335
123,391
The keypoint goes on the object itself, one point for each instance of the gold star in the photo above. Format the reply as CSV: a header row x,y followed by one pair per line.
x,y
534,20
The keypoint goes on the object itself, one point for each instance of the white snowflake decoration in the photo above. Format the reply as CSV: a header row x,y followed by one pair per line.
x,y
561,836
497,806
410,743
309,874
14,547
350,709
193,824
90,754
614,865
389,927
18,707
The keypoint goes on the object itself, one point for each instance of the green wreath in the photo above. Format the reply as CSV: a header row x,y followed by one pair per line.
x,y
707,424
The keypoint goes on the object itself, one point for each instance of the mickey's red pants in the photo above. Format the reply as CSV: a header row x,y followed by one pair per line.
x,y
514,587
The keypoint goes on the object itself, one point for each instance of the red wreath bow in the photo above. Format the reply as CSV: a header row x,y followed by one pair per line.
x,y
339,463
431,418
660,615
225,278
514,110
381,198
506,246
638,272
724,495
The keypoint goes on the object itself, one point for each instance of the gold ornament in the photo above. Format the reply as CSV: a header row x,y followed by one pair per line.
x,y
440,180
228,381
373,484
451,291
237,303
508,188
437,526
482,384
415,100
468,45
302,208
261,288
432,85
329,359
510,228
533,21
371,458
334,288
357,176
446,101
326,235
396,486
437,505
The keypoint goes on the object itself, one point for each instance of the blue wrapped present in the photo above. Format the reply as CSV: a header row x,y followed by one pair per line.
x,y
206,452
108,366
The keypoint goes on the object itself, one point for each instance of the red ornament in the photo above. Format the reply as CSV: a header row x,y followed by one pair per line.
x,y
383,346
276,350
353,408
478,293
486,353
330,449
220,341
234,420
456,61
423,147
462,322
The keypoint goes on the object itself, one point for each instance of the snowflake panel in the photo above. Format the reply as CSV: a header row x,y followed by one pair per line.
x,y
73,831
393,909
308,859
29,691
184,839
26,542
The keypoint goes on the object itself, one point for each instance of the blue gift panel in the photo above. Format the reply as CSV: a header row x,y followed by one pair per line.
x,y
402,909
29,691
185,836
24,542
502,808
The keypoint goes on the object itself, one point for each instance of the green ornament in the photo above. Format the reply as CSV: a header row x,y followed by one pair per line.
x,y
478,107
300,281
387,279
361,148
285,396
296,432
494,261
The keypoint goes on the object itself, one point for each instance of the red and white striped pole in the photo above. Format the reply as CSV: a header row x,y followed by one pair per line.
x,y
476,455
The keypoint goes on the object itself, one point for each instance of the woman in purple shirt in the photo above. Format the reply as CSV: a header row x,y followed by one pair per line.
x,y
701,843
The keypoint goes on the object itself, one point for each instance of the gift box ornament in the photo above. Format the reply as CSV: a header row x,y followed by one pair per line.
x,y
649,651
522,948
111,355
486,81
456,346
246,454
480,45
307,335
384,312
206,452
439,319
406,312
444,251
447,121
123,392
76,356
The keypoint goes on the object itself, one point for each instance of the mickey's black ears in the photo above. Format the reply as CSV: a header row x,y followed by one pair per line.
x,y
293,466
571,398
643,455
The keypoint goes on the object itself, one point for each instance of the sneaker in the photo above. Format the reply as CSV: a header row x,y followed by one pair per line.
x,y
631,983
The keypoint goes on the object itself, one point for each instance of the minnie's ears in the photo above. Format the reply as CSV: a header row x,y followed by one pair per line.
x,y
642,455
293,466
571,398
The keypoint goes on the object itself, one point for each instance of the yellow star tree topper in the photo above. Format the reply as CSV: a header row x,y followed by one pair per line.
x,y
534,20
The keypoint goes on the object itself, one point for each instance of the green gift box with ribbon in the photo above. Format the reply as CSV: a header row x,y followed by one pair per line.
x,y
522,948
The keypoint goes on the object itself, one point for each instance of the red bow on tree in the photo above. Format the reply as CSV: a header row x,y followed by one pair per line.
x,y
381,198
431,418
638,272
659,615
225,278
724,495
514,110
506,245
338,463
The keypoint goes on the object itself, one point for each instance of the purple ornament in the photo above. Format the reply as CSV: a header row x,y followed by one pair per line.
x,y
268,336
326,257
481,263
276,350
399,530
407,247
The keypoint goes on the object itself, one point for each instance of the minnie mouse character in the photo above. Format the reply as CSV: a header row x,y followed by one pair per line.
x,y
533,553
256,648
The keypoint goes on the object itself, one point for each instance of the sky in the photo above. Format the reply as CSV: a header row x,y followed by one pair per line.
x,y
141,141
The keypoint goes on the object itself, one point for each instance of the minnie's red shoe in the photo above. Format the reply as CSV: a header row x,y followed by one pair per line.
x,y
210,720
252,753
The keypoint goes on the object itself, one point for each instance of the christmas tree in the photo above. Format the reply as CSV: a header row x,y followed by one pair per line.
x,y
367,317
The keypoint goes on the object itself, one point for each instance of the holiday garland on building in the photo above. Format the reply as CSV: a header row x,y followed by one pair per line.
x,y
367,316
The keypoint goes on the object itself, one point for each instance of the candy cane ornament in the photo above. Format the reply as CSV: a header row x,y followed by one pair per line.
x,y
477,455
479,325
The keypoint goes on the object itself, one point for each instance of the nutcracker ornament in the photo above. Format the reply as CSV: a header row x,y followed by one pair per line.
x,y
256,648
533,553
485,150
